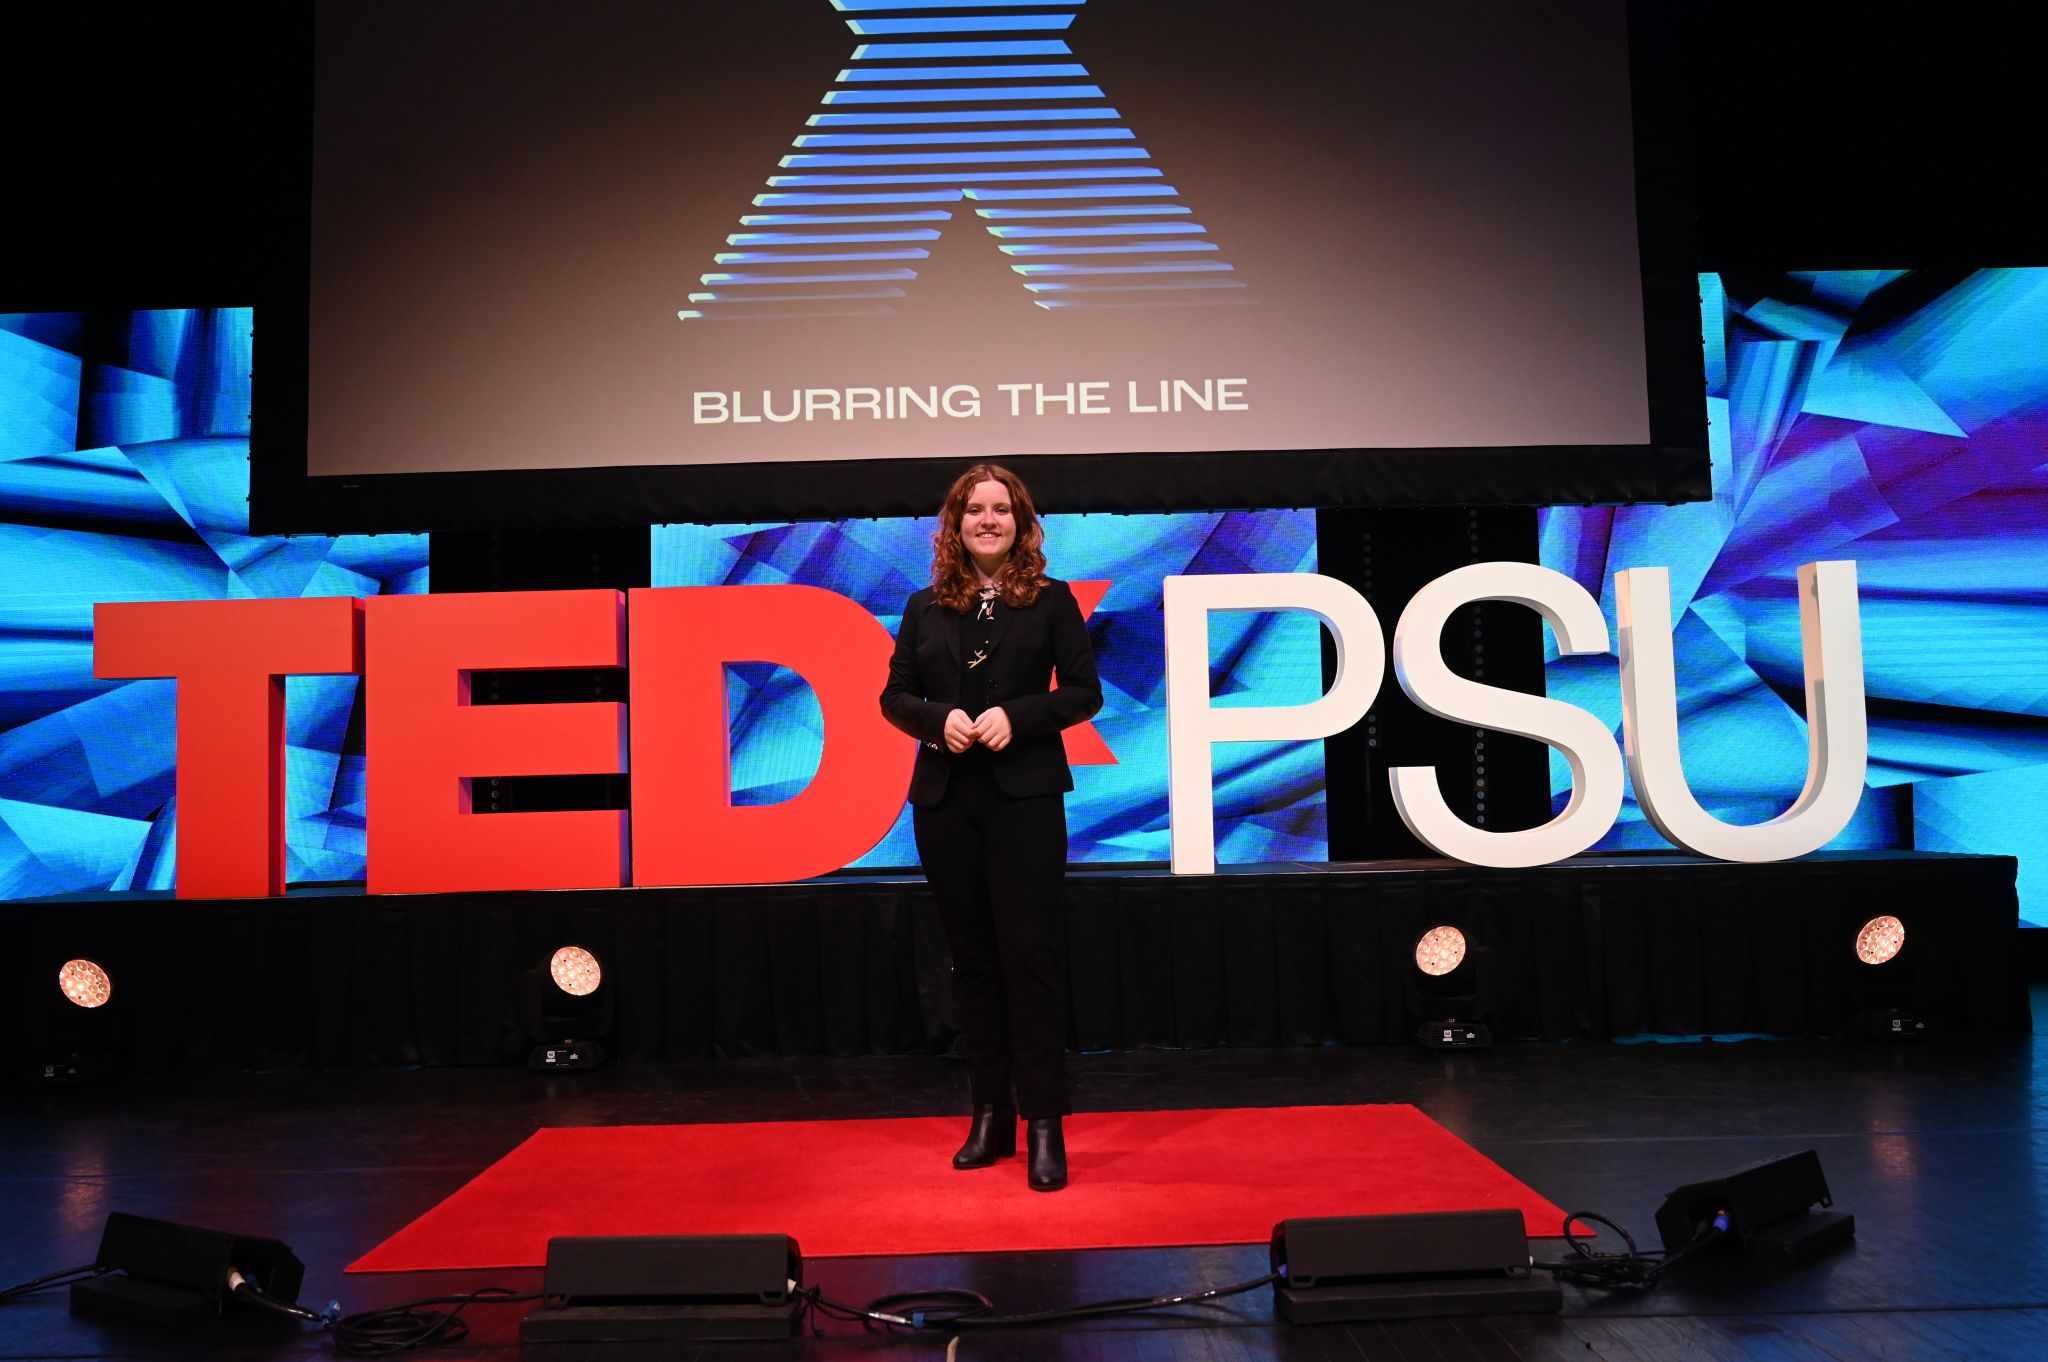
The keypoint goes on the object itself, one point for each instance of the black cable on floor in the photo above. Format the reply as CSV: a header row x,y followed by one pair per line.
x,y
245,1290
956,1308
1635,1270
50,1279
371,1333
409,1326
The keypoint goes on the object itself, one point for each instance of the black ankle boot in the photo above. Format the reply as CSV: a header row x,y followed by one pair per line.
x,y
991,1136
1047,1153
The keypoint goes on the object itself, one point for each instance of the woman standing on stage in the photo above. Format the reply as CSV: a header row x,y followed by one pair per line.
x,y
973,679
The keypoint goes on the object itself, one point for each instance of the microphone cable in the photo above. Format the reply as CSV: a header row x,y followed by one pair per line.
x,y
412,1325
958,1308
1636,1270
50,1279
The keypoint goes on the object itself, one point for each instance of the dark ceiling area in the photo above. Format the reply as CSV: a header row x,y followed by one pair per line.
x,y
155,151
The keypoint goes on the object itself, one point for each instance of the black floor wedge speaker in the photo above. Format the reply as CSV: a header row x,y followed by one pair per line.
x,y
1406,1267
660,1289
1766,1210
158,1272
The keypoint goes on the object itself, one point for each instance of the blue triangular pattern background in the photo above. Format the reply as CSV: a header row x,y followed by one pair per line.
x,y
1848,422
1913,439
155,508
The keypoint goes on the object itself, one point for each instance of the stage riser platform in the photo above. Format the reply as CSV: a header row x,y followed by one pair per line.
x,y
1596,947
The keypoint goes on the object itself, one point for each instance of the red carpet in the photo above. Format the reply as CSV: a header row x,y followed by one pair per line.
x,y
847,1188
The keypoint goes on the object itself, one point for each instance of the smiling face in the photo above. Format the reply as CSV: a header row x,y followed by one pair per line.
x,y
988,525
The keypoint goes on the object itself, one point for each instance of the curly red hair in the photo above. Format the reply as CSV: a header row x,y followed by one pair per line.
x,y
1022,575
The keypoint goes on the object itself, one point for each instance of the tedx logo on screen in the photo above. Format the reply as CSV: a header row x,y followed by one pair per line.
x,y
982,114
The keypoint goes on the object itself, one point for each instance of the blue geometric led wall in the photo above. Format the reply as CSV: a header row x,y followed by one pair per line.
x,y
1269,796
124,475
1898,418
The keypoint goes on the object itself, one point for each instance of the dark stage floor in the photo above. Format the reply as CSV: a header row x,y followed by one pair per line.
x,y
1938,1149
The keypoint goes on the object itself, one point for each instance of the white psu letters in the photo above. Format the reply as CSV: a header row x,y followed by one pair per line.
x,y
1838,741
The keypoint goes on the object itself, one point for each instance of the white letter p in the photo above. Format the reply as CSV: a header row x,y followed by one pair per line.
x,y
1192,723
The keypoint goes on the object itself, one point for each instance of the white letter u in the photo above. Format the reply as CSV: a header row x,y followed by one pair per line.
x,y
1837,737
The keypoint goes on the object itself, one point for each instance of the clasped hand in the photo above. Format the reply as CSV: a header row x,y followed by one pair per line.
x,y
992,728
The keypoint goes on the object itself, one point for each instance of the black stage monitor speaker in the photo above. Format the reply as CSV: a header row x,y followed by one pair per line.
x,y
1406,1267
1767,1209
658,1289
161,1273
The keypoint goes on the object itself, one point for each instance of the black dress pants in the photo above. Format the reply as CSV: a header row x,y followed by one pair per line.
x,y
996,866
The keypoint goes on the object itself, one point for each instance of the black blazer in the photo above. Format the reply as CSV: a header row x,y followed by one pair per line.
x,y
929,679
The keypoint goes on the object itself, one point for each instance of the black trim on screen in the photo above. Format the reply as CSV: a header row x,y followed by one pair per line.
x,y
1672,467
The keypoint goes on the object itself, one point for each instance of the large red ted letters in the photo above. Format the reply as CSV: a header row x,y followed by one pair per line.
x,y
428,744
230,659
